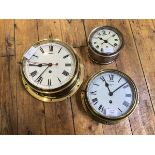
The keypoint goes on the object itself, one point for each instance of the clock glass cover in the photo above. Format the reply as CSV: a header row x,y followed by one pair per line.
x,y
51,70
110,94
51,66
105,40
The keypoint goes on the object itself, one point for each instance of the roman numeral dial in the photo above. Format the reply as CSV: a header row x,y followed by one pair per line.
x,y
51,70
110,93
51,66
105,43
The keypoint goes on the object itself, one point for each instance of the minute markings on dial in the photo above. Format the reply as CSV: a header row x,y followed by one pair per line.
x,y
119,79
119,109
60,50
41,49
59,80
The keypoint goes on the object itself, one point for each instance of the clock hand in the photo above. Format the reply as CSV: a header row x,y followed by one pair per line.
x,y
107,85
42,72
41,64
100,38
110,44
36,62
105,40
119,87
109,37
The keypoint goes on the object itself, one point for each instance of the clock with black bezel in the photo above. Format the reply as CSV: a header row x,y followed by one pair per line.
x,y
105,43
51,70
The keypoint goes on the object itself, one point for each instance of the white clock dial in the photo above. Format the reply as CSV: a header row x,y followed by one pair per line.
x,y
105,40
110,94
51,66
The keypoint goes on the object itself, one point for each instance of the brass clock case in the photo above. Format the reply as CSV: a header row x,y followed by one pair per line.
x,y
103,58
63,92
97,116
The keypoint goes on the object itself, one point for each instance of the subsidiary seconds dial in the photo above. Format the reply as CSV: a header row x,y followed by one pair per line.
x,y
110,96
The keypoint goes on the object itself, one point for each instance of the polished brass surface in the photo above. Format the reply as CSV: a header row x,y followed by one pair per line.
x,y
63,92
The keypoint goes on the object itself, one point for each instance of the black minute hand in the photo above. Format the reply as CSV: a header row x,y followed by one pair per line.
x,y
38,65
119,87
107,85
42,73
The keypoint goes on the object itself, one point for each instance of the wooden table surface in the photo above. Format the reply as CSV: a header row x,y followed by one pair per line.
x,y
22,114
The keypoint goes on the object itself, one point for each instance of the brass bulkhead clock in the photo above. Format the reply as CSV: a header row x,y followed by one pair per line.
x,y
109,96
51,70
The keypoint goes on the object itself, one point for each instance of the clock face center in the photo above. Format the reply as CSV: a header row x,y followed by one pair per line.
x,y
50,64
110,93
105,41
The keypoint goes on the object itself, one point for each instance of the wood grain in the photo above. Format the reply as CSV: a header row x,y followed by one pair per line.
x,y
22,114
8,105
73,32
31,112
134,70
7,37
89,125
59,118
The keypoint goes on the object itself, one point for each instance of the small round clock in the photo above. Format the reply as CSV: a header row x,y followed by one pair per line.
x,y
109,96
105,43
51,70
